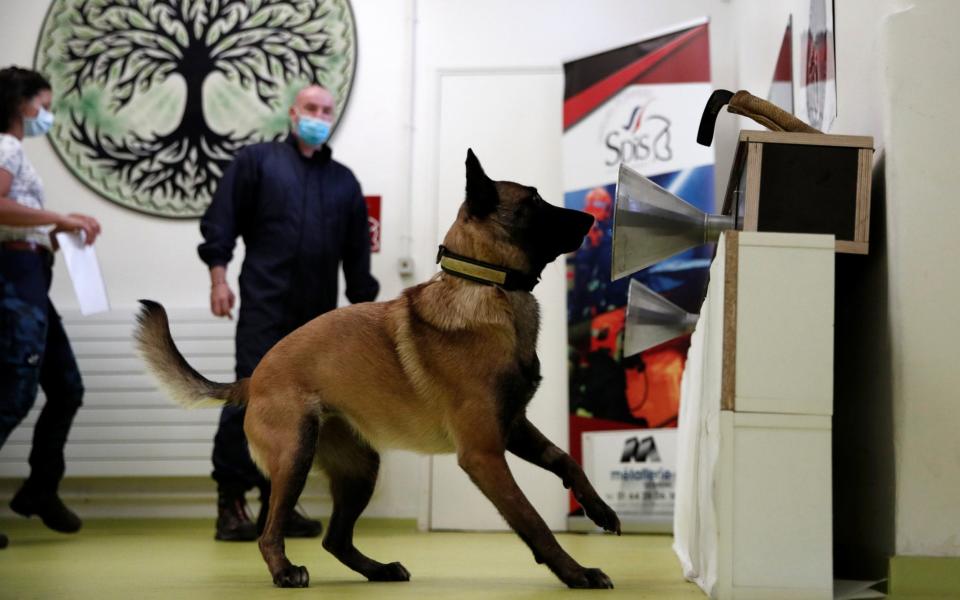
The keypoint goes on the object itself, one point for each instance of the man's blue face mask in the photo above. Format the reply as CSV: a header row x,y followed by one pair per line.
x,y
312,131
38,125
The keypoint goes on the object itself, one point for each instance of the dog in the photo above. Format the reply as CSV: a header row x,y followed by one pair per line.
x,y
447,367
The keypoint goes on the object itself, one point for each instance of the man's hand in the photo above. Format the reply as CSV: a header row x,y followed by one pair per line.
x,y
76,222
222,299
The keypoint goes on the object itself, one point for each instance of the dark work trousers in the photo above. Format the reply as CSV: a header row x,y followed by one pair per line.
x,y
233,469
35,351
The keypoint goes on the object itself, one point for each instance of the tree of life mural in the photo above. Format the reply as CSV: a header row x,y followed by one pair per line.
x,y
154,97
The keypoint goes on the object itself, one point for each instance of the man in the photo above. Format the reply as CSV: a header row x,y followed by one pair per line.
x,y
300,214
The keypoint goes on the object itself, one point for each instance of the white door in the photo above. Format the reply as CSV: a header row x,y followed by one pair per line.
x,y
512,120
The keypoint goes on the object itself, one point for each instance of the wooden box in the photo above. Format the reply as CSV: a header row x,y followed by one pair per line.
x,y
803,183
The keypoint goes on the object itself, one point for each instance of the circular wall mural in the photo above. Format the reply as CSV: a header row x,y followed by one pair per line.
x,y
154,97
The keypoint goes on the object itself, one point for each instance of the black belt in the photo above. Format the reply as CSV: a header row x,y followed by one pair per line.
x,y
24,246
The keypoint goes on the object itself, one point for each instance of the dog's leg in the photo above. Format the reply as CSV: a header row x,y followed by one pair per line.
x,y
288,453
480,452
528,443
352,467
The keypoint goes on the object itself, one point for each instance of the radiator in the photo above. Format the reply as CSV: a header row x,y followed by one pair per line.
x,y
127,426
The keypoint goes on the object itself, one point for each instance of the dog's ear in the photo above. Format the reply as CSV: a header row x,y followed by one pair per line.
x,y
482,198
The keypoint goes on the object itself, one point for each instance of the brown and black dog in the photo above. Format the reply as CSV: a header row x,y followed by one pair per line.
x,y
448,366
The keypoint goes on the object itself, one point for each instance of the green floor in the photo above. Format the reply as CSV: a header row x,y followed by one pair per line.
x,y
179,559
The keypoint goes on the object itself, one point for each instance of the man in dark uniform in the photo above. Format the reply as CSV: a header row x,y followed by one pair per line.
x,y
301,214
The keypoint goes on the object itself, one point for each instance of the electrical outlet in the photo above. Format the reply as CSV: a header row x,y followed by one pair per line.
x,y
405,267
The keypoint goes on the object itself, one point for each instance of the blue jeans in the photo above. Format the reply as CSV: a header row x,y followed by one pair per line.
x,y
35,352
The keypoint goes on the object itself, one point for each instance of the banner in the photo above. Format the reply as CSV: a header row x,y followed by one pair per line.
x,y
634,472
639,105
816,96
781,89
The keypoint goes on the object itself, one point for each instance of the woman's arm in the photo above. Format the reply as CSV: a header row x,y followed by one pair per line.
x,y
15,214
18,215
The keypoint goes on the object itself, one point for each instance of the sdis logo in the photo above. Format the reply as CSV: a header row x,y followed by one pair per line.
x,y
642,137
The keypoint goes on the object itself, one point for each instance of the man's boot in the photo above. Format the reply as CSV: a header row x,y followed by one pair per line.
x,y
47,505
233,520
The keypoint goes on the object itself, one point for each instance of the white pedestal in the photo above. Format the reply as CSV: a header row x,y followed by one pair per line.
x,y
753,515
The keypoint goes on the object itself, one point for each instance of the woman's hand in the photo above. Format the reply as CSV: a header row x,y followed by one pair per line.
x,y
75,222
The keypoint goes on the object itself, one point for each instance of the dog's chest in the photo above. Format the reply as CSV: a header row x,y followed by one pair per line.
x,y
526,323
515,390
519,383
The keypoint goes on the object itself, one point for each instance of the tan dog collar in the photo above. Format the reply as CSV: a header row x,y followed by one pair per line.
x,y
483,272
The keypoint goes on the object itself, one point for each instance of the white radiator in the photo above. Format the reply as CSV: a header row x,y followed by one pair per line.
x,y
126,425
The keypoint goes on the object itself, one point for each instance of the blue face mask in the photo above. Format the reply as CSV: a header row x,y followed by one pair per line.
x,y
38,125
313,132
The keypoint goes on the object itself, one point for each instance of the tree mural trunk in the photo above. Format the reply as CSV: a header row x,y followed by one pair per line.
x,y
194,68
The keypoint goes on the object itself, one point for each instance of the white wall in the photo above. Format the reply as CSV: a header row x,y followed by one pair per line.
x,y
920,50
148,257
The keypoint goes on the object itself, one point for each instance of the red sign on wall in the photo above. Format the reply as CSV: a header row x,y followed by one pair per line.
x,y
373,218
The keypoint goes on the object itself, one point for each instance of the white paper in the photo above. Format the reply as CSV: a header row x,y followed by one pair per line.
x,y
84,271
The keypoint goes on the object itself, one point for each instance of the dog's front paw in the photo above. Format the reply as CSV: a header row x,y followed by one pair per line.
x,y
292,577
390,572
601,514
590,579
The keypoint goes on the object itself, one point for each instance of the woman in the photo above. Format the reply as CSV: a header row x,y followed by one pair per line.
x,y
34,350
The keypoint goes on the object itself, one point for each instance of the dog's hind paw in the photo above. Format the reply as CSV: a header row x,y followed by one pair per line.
x,y
390,572
292,577
590,579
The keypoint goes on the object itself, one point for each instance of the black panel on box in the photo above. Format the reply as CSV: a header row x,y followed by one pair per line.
x,y
808,189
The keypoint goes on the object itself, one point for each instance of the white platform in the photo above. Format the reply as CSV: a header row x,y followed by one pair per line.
x,y
753,517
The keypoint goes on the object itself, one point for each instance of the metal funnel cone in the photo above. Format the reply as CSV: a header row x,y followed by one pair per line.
x,y
651,224
652,320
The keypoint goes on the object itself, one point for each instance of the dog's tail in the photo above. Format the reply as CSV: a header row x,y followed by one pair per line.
x,y
188,387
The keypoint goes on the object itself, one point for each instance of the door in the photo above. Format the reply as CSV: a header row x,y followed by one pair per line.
x,y
512,120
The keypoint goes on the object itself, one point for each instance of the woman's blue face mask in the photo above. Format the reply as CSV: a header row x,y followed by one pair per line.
x,y
38,125
313,131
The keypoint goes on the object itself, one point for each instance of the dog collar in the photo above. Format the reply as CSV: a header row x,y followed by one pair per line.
x,y
483,272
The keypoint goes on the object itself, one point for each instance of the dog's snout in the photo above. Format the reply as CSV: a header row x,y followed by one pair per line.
x,y
583,222
573,226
